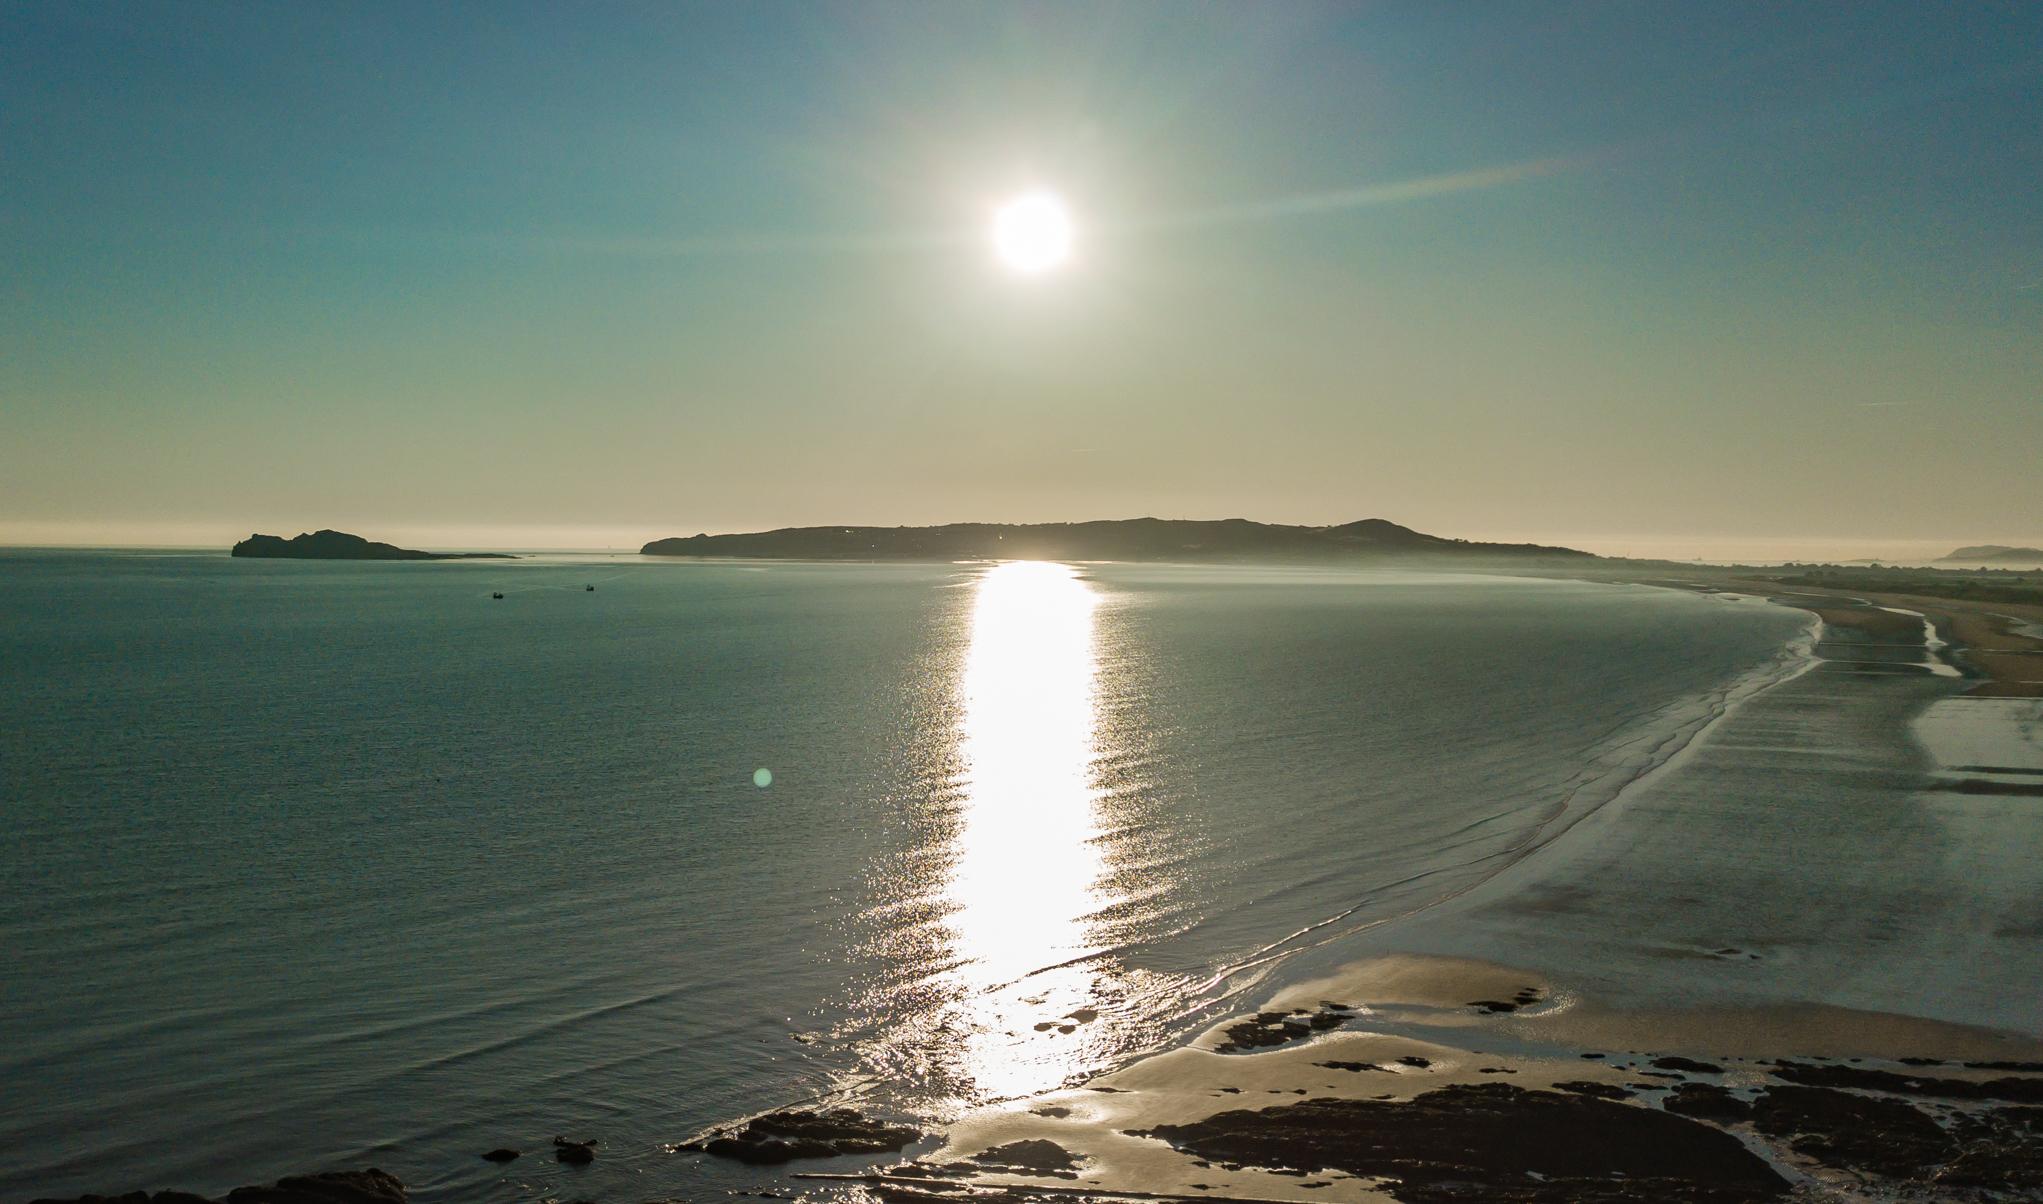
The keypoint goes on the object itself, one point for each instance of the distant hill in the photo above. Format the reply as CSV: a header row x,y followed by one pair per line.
x,y
1118,539
339,545
1993,553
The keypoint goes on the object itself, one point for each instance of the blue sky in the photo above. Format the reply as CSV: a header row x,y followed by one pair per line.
x,y
513,274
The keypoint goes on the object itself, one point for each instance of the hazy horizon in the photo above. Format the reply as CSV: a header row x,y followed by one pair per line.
x,y
508,276
1725,549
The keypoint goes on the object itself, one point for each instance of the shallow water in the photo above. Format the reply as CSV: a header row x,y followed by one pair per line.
x,y
340,864
1825,844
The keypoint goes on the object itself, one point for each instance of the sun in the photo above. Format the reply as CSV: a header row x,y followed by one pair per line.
x,y
1032,233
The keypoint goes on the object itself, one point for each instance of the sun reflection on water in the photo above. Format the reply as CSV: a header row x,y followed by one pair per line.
x,y
1026,875
1005,924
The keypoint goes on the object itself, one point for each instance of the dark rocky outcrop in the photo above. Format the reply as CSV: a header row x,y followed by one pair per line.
x,y
1266,1030
1707,1101
2000,1150
574,1153
1490,1142
1594,1089
1036,1157
1687,1065
785,1136
339,545
370,1186
1115,539
1526,997
501,1155
2013,1090
1854,1132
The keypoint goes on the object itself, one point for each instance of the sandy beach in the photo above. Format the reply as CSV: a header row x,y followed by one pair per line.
x,y
1998,644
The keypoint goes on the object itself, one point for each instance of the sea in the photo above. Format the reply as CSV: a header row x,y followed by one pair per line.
x,y
316,865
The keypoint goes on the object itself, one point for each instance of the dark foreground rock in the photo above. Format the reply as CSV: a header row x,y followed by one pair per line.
x,y
1594,1089
336,1187
1855,1132
785,1136
1707,1101
2001,1150
2015,1090
1492,1142
339,545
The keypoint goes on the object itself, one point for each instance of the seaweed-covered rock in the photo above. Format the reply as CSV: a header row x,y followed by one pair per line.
x,y
1489,1142
1928,1086
1854,1132
1594,1089
2000,1150
1266,1030
1036,1157
1708,1101
781,1137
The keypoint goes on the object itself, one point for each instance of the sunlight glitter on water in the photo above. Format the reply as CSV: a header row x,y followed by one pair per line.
x,y
1026,872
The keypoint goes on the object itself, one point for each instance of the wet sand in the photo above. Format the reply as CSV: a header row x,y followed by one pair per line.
x,y
1421,1057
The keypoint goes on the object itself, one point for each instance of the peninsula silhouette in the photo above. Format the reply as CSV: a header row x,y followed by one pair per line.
x,y
1113,539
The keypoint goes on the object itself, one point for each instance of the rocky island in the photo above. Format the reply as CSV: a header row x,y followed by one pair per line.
x,y
339,545
1994,553
1117,539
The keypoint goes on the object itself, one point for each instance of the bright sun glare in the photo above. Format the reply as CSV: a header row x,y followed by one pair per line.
x,y
1032,233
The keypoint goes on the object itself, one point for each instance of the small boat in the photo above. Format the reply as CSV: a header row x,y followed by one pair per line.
x,y
498,597
590,588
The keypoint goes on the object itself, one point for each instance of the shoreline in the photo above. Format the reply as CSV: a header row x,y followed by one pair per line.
x,y
1796,657
1999,643
1512,983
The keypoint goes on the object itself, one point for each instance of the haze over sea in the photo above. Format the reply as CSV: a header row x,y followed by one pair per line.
x,y
329,863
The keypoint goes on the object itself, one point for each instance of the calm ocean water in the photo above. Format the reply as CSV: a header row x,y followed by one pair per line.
x,y
315,864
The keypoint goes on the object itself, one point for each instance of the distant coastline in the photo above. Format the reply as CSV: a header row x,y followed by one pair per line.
x,y
339,545
1113,539
1995,554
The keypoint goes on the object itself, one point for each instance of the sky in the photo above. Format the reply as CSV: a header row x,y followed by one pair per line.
x,y
1707,279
